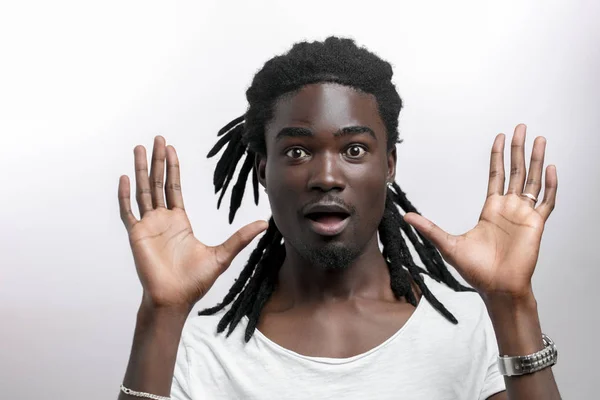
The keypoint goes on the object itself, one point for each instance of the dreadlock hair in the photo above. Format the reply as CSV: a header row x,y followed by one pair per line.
x,y
334,60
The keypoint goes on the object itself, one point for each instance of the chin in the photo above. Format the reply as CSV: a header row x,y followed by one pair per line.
x,y
331,256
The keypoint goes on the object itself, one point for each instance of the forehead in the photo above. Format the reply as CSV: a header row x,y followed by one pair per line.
x,y
325,108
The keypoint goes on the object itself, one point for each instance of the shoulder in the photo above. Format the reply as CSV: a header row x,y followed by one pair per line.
x,y
474,332
467,307
201,331
471,343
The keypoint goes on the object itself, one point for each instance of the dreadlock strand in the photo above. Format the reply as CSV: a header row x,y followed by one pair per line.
x,y
432,299
231,124
399,277
241,281
402,248
239,152
248,296
406,205
415,272
237,193
428,253
224,163
220,143
255,184
265,291
227,319
432,268
239,308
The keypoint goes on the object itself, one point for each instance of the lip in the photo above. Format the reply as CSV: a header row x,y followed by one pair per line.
x,y
326,208
327,228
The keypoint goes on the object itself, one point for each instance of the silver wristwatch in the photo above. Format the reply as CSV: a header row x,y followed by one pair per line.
x,y
521,365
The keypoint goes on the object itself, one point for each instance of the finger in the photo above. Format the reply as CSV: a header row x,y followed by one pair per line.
x,y
550,188
496,179
517,161
142,183
440,238
173,184
536,165
157,172
227,251
124,194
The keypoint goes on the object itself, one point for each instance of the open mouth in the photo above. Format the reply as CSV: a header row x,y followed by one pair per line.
x,y
328,223
327,217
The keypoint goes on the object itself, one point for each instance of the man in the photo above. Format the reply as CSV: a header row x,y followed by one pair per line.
x,y
320,311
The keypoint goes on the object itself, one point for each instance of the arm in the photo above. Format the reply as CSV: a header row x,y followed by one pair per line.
x,y
154,350
175,269
518,333
498,256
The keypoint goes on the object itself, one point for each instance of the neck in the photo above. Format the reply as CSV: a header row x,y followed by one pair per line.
x,y
301,282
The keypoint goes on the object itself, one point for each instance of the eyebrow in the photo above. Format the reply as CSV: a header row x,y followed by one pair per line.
x,y
304,132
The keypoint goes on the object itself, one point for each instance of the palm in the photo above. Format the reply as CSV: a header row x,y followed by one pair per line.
x,y
500,253
170,261
174,267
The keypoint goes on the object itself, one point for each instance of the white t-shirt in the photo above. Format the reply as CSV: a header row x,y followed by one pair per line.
x,y
428,358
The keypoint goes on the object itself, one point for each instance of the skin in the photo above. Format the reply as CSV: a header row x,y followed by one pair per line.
x,y
340,313
318,310
353,309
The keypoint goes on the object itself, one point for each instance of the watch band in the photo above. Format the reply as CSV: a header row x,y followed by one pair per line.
x,y
521,365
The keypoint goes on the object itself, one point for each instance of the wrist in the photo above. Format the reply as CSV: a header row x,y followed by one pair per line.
x,y
516,323
156,339
150,305
498,303
175,314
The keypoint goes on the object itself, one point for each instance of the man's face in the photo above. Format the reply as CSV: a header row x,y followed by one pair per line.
x,y
326,171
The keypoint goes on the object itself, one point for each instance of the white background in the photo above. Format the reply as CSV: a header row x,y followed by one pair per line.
x,y
82,83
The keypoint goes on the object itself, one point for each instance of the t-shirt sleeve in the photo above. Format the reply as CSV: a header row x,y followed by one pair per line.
x,y
494,381
180,386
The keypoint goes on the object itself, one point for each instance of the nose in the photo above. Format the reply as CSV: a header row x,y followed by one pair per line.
x,y
326,173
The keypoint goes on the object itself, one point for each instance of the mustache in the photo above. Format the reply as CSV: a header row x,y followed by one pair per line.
x,y
329,199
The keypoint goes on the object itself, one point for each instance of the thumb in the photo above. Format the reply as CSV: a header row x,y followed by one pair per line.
x,y
444,241
227,251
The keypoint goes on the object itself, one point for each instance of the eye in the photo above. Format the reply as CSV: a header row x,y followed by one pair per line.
x,y
296,153
355,151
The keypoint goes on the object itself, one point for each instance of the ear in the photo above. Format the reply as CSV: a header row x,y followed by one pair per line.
x,y
391,165
260,165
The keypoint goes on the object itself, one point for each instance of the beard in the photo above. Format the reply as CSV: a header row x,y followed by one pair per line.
x,y
330,256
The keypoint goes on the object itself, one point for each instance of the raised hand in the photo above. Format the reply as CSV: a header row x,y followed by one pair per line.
x,y
174,267
498,256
